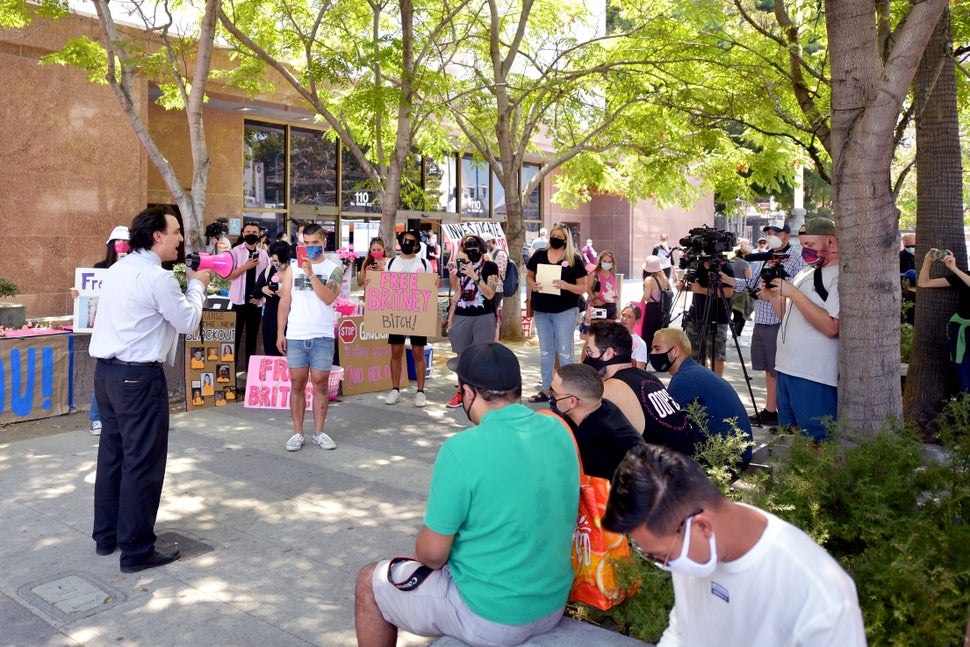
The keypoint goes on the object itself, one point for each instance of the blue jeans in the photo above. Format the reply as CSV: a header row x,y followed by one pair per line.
x,y
93,411
317,354
556,335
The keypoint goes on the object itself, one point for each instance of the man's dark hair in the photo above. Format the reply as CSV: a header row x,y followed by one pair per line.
x,y
493,395
311,228
659,487
141,234
581,381
282,250
612,335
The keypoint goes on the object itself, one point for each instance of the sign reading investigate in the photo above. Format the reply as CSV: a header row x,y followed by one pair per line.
x,y
402,303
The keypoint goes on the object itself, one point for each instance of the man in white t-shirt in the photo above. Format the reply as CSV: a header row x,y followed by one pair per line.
x,y
306,321
408,262
807,360
741,575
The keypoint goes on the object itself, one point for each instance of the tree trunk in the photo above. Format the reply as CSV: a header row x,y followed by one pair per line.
x,y
939,199
866,98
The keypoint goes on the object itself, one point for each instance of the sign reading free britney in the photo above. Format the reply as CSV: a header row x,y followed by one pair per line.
x,y
402,303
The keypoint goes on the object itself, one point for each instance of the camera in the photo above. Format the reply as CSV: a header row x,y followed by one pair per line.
x,y
772,271
703,253
937,254
598,313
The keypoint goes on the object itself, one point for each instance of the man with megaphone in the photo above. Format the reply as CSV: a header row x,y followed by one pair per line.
x,y
250,261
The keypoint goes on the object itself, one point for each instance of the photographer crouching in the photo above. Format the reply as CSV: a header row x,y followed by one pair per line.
x,y
707,322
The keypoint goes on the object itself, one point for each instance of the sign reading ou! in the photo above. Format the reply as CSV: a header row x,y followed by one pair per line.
x,y
35,377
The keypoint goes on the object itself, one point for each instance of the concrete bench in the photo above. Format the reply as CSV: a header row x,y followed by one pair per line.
x,y
569,633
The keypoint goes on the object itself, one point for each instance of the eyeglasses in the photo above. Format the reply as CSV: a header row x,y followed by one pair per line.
x,y
553,398
656,560
635,308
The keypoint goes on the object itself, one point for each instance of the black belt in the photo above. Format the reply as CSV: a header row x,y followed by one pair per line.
x,y
113,361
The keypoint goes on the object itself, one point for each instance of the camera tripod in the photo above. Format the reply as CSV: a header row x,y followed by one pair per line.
x,y
706,324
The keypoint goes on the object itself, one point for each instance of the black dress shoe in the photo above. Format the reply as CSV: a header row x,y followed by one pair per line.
x,y
105,550
157,558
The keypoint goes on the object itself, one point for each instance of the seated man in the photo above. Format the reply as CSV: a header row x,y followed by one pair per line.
x,y
498,527
692,382
741,576
637,393
602,433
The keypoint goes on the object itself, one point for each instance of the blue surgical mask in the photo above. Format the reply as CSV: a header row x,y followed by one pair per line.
x,y
911,250
607,266
313,252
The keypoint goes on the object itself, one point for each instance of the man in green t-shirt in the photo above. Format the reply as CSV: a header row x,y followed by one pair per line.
x,y
493,561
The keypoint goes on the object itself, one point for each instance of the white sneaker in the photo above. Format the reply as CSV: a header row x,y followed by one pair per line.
x,y
393,397
324,441
419,399
295,443
95,429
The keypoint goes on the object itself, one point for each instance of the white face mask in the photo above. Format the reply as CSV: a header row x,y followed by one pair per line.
x,y
684,565
774,242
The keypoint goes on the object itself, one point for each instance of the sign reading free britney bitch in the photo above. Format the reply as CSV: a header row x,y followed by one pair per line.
x,y
402,303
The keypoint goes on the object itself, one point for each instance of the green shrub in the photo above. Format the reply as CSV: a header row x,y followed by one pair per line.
x,y
8,289
895,519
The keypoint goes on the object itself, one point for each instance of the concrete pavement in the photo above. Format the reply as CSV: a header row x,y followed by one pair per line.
x,y
271,540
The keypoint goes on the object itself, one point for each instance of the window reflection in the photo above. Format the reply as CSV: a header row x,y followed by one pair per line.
x,y
313,168
264,165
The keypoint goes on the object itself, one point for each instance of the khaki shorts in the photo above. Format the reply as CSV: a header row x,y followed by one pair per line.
x,y
435,608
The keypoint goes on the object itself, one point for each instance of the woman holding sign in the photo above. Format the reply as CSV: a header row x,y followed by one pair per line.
x,y
375,261
556,276
471,319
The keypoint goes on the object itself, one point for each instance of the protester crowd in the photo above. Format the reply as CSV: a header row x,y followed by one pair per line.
x,y
626,421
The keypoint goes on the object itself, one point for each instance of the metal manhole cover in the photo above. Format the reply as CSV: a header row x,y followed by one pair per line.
x,y
187,545
71,596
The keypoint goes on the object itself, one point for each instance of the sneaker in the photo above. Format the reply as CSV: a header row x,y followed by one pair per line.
x,y
455,402
767,418
295,443
95,429
420,400
324,441
393,397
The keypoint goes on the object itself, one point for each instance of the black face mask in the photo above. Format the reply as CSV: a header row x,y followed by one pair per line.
x,y
407,247
469,409
661,361
600,364
474,254
251,239
554,407
557,243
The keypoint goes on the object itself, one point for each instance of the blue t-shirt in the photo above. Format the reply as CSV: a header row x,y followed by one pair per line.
x,y
508,490
710,390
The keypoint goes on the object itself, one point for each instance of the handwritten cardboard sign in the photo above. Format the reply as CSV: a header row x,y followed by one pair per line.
x,y
268,384
402,303
35,377
365,357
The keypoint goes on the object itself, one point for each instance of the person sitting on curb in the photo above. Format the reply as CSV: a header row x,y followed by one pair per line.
x,y
741,575
493,561
602,432
690,382
639,395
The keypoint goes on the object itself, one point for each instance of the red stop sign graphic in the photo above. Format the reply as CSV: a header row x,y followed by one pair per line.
x,y
348,332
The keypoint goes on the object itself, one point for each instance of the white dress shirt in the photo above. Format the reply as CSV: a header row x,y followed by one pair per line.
x,y
142,310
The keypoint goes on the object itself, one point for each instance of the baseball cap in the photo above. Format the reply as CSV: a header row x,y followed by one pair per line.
x,y
487,237
762,239
118,233
819,227
778,225
489,366
909,274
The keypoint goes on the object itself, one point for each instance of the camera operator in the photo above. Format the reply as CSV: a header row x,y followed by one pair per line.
x,y
717,315
785,256
808,339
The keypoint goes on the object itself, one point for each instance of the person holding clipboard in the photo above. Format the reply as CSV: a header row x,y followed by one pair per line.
x,y
557,277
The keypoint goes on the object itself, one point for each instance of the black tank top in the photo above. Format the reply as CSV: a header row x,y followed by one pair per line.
x,y
665,423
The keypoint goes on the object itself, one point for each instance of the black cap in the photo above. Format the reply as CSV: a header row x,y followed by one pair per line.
x,y
489,366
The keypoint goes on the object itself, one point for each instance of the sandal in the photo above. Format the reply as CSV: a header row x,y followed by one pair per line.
x,y
541,396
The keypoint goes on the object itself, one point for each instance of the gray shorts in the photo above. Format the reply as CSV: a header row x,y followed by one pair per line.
x,y
764,346
467,331
435,608
720,340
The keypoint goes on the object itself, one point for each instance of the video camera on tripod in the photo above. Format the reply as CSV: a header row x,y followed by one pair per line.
x,y
703,249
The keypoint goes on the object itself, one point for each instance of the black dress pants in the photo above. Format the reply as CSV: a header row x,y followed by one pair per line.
x,y
248,317
132,452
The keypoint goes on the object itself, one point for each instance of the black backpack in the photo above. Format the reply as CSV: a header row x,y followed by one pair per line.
x,y
510,285
666,304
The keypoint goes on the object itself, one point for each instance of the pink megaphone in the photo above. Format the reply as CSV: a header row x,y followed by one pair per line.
x,y
222,264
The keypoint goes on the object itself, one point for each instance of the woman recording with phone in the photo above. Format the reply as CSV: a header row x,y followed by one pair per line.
x,y
959,325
